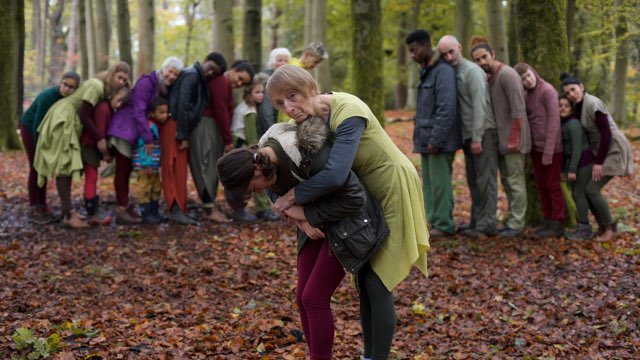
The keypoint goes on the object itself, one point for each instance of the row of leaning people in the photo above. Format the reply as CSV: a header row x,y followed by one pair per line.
x,y
173,119
498,115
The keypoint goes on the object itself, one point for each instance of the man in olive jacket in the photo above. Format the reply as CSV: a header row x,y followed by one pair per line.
x,y
437,134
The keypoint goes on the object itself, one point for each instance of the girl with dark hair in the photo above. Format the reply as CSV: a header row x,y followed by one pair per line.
x,y
29,123
348,218
611,148
58,151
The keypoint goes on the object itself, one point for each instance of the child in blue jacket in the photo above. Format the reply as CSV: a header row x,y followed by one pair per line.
x,y
146,163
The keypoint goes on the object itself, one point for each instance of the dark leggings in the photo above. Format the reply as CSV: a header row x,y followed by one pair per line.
x,y
37,195
587,195
63,184
377,315
121,178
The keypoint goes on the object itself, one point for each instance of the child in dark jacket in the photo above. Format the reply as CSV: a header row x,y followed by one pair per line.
x,y
94,150
147,164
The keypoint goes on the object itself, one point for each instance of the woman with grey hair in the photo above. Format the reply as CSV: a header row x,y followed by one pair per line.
x,y
267,115
130,123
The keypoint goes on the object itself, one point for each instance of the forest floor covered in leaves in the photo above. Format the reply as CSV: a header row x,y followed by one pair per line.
x,y
227,291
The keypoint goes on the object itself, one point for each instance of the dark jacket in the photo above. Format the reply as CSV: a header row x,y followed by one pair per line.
x,y
187,98
267,114
436,120
352,221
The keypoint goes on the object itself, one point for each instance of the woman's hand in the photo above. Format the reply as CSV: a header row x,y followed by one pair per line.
x,y
596,172
184,145
296,212
284,202
312,232
571,177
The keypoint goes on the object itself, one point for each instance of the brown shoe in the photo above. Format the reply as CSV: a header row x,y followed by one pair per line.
x,y
123,217
74,222
607,234
215,215
437,233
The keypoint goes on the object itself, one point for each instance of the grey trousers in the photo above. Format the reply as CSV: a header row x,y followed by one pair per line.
x,y
482,172
205,148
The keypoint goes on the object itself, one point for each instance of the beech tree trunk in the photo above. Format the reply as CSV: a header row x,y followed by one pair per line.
x,y
20,23
82,31
308,19
400,93
56,49
100,26
367,54
72,38
91,39
496,30
252,33
322,72
190,14
146,30
512,39
38,40
10,19
222,31
411,66
618,109
124,33
464,24
274,25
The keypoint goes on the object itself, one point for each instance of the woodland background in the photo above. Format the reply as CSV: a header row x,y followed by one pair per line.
x,y
597,40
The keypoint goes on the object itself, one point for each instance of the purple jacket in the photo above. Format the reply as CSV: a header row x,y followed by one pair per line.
x,y
130,121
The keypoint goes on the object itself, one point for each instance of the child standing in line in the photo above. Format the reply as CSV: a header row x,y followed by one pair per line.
x,y
577,167
93,152
147,164
244,130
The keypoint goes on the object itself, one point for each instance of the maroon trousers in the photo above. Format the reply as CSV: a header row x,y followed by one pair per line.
x,y
548,183
37,195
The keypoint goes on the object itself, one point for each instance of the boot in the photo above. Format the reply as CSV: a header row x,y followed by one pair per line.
x,y
243,216
544,224
607,233
554,229
179,217
94,215
583,232
124,218
155,210
40,215
74,221
148,216
215,215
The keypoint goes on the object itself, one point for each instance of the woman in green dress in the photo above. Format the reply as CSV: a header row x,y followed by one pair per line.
x,y
58,148
361,145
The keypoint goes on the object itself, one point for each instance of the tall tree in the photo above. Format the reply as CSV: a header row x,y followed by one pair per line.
x,y
368,54
464,23
38,39
512,39
146,30
252,33
101,27
82,31
10,20
274,25
124,32
222,30
400,92
569,18
543,40
322,72
618,109
91,38
411,66
56,47
21,45
190,10
496,29
72,38
308,20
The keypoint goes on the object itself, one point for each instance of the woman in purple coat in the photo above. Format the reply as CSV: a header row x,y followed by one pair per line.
x,y
130,123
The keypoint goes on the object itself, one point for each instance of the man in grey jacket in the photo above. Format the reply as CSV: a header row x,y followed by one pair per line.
x,y
436,134
480,138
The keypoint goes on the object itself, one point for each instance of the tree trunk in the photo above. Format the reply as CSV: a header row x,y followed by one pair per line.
x,y
308,19
190,14
146,29
56,49
541,30
38,36
101,34
223,28
400,93
252,33
273,27
569,18
91,38
124,33
72,38
82,30
464,24
9,18
496,30
368,55
21,45
618,109
514,42
411,66
322,72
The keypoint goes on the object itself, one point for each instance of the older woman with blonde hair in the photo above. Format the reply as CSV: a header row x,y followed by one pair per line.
x,y
361,145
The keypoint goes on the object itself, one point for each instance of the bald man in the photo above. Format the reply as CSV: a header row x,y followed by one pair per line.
x,y
479,136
